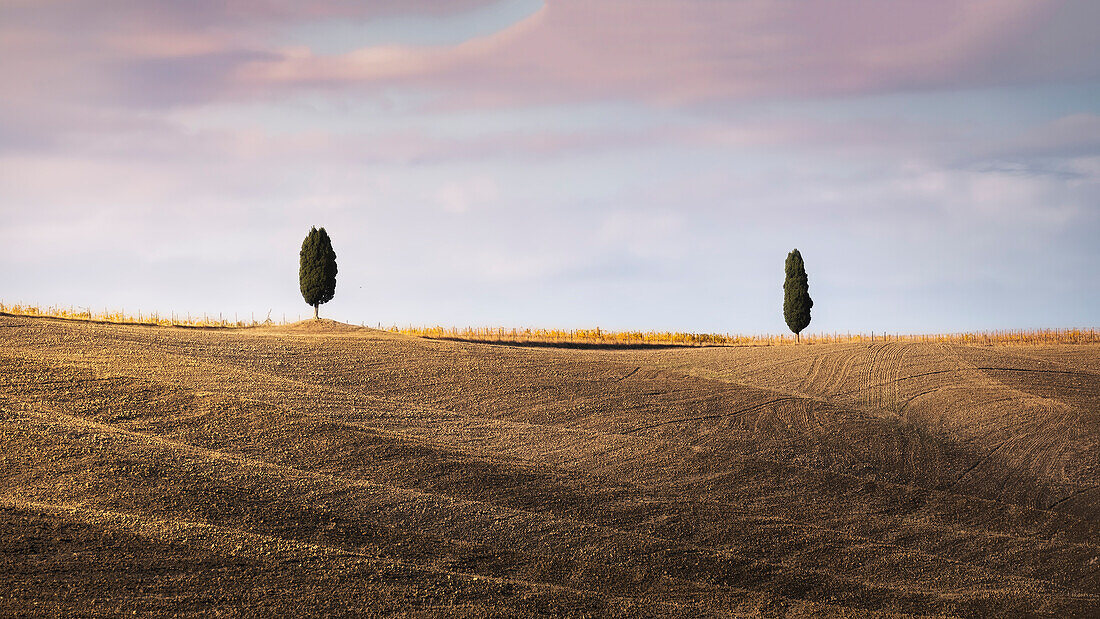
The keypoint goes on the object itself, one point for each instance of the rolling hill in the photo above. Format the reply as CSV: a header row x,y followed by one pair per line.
x,y
324,468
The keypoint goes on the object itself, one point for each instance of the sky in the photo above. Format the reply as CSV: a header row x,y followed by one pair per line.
x,y
624,164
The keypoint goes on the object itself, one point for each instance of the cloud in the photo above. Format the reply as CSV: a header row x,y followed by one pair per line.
x,y
656,155
159,53
665,52
674,52
459,197
1069,136
1059,149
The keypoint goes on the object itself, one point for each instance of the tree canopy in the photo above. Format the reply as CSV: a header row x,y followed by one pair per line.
x,y
317,268
796,294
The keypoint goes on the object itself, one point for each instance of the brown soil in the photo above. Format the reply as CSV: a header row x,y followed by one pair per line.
x,y
318,326
321,468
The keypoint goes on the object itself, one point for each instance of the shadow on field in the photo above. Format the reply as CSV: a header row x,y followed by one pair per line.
x,y
573,345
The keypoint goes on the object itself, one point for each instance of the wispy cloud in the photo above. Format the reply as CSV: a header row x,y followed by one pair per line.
x,y
666,52
682,52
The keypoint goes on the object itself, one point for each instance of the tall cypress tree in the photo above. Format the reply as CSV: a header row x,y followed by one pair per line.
x,y
796,294
317,269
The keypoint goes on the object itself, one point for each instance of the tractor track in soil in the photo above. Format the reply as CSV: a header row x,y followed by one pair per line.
x,y
332,469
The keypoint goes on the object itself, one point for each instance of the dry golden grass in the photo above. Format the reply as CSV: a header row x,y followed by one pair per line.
x,y
122,318
665,338
594,336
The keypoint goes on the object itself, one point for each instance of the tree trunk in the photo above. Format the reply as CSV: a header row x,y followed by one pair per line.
x,y
798,338
315,306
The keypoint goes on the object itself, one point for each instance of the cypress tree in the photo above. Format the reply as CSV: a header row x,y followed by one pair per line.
x,y
317,269
796,294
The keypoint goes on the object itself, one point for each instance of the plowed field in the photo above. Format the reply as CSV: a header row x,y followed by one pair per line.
x,y
321,468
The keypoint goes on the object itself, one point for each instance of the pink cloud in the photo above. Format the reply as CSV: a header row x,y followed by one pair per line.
x,y
664,52
126,51
671,52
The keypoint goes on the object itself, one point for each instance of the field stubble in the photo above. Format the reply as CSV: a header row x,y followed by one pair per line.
x,y
326,468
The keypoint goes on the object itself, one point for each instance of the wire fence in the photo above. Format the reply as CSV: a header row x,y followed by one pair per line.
x,y
120,316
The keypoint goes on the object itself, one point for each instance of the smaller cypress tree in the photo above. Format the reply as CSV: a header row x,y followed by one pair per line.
x,y
317,269
796,294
